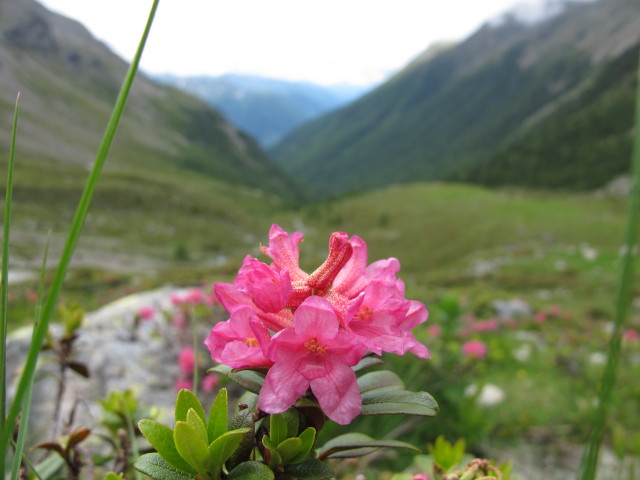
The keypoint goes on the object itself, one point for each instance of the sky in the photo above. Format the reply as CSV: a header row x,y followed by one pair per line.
x,y
326,42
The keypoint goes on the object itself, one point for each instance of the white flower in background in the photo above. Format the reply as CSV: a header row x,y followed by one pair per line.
x,y
523,352
597,358
490,394
588,253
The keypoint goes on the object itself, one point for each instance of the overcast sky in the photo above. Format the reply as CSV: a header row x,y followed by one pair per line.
x,y
329,41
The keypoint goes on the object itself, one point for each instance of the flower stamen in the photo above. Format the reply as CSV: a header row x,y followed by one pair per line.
x,y
313,346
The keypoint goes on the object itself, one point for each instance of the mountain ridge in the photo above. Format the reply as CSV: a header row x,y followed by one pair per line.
x,y
454,109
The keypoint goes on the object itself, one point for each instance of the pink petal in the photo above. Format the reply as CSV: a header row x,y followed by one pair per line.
x,y
338,394
316,318
283,250
282,387
350,280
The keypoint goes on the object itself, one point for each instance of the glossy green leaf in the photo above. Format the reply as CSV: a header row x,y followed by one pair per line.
x,y
161,438
307,437
399,402
278,428
380,381
289,449
153,465
222,447
186,400
195,421
366,362
248,379
309,470
355,442
191,447
251,471
218,416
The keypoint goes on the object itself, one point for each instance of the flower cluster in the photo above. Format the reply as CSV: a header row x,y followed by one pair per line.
x,y
310,329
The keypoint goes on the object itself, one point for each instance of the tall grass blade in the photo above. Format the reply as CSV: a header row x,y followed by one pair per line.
x,y
26,403
72,240
589,463
4,278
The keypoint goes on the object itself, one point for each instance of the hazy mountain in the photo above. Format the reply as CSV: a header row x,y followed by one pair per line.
x,y
456,107
68,83
266,108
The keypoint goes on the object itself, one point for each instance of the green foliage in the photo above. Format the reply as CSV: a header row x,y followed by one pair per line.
x,y
195,445
283,445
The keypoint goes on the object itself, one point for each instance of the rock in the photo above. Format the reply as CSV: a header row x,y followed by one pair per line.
x,y
117,359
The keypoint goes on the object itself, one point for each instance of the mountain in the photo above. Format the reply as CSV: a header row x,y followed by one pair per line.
x,y
179,179
68,83
266,108
457,107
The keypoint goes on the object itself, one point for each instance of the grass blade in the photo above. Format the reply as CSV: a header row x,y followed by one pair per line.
x,y
72,239
589,463
4,278
26,404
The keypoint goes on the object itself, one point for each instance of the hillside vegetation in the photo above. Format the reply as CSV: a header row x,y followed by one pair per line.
x,y
456,107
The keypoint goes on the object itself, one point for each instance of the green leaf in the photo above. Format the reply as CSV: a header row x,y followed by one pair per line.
x,y
399,402
292,417
357,441
309,470
186,400
191,447
153,465
248,379
366,362
242,419
373,382
289,449
195,421
113,476
161,438
251,471
278,428
222,447
307,437
218,416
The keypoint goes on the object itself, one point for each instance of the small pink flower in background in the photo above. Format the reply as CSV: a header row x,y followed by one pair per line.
x,y
195,296
540,317
631,335
146,313
475,349
486,325
178,320
209,382
555,310
186,360
420,476
434,330
184,384
32,296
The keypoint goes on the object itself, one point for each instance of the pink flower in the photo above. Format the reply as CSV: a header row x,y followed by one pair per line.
x,y
184,384
309,329
239,341
147,312
420,476
314,353
382,318
474,349
186,360
434,330
631,335
540,317
486,325
209,382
